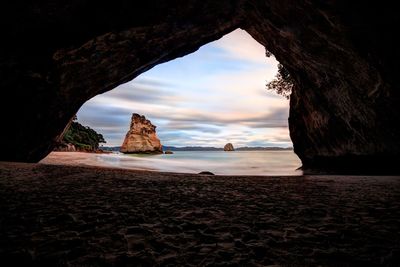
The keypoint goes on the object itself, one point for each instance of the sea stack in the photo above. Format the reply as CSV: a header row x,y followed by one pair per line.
x,y
141,137
229,147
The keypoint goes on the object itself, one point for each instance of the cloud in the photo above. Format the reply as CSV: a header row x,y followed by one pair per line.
x,y
144,90
207,98
103,116
239,45
277,118
113,119
190,126
151,82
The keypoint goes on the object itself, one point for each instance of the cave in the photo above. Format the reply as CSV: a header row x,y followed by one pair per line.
x,y
342,56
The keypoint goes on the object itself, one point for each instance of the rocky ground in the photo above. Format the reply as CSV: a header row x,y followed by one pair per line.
x,y
82,216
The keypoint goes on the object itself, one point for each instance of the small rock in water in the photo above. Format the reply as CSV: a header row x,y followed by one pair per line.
x,y
168,152
206,173
229,147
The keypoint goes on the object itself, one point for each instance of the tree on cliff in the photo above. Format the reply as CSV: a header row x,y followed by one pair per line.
x,y
283,82
83,137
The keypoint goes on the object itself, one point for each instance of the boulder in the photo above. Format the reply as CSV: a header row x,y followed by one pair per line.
x,y
206,173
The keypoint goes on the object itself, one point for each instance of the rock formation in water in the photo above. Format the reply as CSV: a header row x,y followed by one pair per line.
x,y
229,147
141,137
341,54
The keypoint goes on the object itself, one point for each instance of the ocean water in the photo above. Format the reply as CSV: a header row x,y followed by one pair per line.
x,y
217,162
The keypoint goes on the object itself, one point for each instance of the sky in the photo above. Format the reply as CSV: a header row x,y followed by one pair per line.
x,y
211,97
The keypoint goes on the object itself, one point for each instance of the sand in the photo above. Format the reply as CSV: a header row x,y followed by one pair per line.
x,y
58,215
75,159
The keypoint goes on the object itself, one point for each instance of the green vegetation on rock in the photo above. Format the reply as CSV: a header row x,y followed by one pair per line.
x,y
83,137
283,82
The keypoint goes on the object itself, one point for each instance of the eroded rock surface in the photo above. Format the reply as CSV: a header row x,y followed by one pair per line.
x,y
342,55
141,137
228,147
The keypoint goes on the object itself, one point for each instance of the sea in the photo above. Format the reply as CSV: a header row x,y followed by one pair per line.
x,y
218,162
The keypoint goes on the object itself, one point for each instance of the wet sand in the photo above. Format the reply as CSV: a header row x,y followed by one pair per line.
x,y
76,159
53,215
254,163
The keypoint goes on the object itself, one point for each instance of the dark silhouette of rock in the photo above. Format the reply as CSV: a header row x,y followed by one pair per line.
x,y
341,55
168,152
206,173
141,137
229,147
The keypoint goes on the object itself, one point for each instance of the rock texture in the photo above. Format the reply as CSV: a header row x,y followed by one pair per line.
x,y
83,216
65,147
342,55
228,147
141,137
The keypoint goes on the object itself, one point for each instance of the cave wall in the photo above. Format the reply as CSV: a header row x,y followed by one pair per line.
x,y
342,56
58,54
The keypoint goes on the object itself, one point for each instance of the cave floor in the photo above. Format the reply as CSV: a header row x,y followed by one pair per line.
x,y
84,216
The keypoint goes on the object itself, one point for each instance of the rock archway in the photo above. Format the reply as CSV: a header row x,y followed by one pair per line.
x,y
343,111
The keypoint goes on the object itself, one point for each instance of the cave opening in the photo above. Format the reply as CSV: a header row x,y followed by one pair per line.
x,y
343,119
343,109
202,101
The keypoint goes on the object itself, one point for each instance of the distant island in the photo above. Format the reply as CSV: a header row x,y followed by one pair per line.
x,y
229,147
205,148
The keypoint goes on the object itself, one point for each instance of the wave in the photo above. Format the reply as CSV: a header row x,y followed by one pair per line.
x,y
217,162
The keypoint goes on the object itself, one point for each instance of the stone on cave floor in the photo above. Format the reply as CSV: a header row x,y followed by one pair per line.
x,y
206,173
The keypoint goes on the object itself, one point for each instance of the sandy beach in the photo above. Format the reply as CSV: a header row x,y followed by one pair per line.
x,y
58,215
74,158
249,163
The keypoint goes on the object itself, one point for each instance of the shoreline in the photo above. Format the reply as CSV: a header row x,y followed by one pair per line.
x,y
179,162
90,216
86,159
